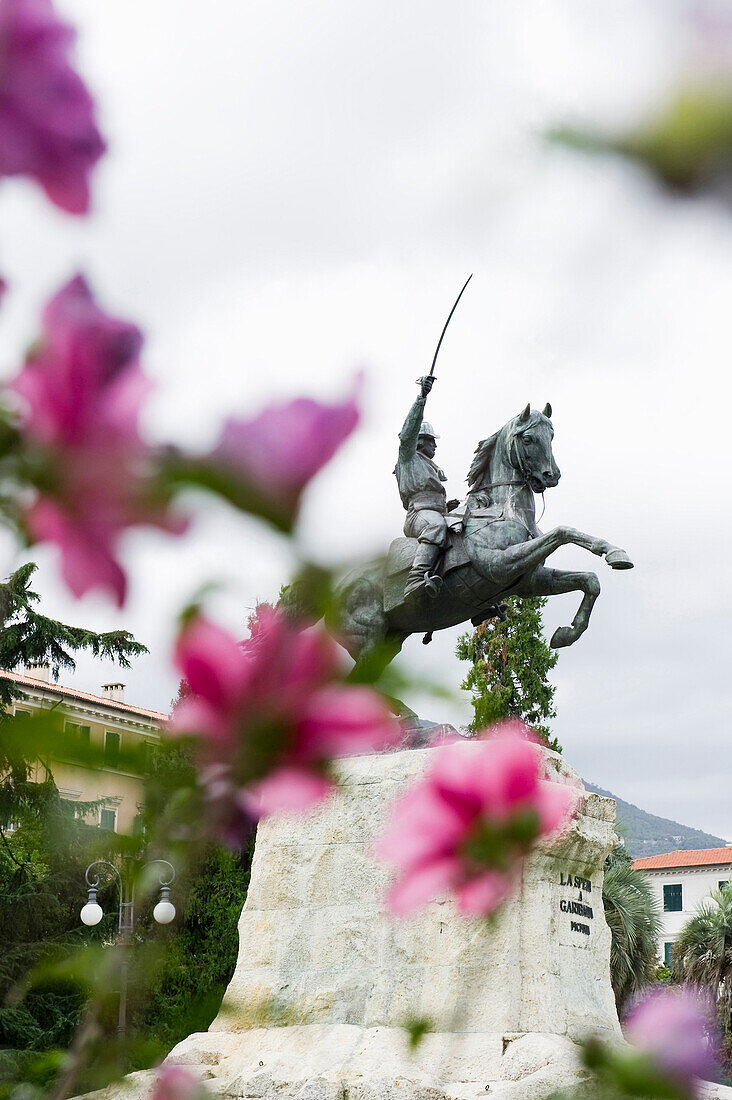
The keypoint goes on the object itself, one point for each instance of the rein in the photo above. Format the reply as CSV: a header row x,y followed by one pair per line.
x,y
522,481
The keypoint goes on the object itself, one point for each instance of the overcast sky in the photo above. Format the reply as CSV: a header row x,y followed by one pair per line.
x,y
295,191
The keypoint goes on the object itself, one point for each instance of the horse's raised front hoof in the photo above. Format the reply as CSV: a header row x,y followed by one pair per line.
x,y
563,635
618,559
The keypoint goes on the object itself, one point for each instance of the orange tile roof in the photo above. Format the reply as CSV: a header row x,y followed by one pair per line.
x,y
698,857
72,693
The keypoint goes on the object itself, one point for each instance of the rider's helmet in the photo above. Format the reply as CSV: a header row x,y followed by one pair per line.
x,y
428,430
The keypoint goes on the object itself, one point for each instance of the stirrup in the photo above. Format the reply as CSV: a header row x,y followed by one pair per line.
x,y
433,585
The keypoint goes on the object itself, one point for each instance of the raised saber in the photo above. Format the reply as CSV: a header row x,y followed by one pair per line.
x,y
447,322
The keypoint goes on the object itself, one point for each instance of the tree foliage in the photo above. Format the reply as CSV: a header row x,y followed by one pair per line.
x,y
188,985
45,845
634,918
510,666
42,864
26,635
703,952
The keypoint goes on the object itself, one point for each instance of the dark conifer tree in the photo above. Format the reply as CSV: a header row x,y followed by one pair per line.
x,y
26,635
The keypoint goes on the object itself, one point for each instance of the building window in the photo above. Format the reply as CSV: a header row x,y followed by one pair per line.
x,y
146,756
723,884
672,898
81,734
111,749
668,949
108,820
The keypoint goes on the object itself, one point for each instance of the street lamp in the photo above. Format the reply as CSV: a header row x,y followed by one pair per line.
x,y
92,913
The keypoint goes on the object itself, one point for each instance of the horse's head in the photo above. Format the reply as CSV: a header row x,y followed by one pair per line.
x,y
529,442
523,445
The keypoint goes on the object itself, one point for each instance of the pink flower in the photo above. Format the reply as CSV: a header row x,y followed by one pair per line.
x,y
177,1083
673,1027
82,383
82,389
47,127
278,451
271,713
464,827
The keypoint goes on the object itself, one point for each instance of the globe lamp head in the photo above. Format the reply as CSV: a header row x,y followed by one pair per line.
x,y
164,911
92,913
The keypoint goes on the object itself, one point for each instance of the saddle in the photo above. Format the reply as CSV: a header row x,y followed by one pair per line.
x,y
401,555
402,551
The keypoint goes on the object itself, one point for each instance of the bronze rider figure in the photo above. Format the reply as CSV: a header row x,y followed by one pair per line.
x,y
420,486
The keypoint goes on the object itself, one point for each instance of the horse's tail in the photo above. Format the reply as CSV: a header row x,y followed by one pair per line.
x,y
299,602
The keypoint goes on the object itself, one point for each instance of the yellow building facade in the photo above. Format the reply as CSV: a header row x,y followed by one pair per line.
x,y
124,736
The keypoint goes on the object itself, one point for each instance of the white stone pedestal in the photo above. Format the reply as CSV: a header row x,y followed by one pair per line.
x,y
326,980
316,945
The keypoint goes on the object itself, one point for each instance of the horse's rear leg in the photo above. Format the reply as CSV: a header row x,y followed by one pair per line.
x,y
552,582
374,658
372,662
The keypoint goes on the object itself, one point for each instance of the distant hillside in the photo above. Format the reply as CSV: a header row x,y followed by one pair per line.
x,y
648,835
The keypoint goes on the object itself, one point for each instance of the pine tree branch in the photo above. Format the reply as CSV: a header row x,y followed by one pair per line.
x,y
9,850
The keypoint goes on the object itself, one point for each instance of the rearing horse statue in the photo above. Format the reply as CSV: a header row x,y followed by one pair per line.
x,y
496,550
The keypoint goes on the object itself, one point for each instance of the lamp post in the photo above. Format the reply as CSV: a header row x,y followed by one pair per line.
x,y
92,913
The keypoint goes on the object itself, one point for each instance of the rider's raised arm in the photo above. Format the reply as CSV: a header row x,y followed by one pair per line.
x,y
409,435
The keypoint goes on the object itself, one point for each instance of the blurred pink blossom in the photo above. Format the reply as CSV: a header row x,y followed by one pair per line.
x,y
270,713
284,446
465,825
82,390
82,382
177,1083
673,1027
47,127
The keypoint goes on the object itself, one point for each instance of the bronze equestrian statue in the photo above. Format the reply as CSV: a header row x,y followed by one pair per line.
x,y
457,564
494,550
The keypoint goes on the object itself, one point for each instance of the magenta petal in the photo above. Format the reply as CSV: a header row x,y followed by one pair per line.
x,y
177,1083
212,662
82,382
314,659
47,127
86,556
483,895
286,790
556,803
194,716
69,192
672,1026
421,827
515,764
422,885
459,778
283,447
339,720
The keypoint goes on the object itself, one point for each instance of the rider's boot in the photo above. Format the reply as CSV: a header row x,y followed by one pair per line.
x,y
420,574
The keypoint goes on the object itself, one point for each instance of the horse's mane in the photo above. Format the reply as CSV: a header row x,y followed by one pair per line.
x,y
482,460
486,448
